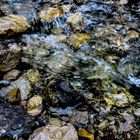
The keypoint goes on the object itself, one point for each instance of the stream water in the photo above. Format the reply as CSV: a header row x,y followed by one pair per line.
x,y
73,62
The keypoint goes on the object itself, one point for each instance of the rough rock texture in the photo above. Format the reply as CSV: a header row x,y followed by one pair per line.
x,y
8,60
22,83
12,24
14,121
76,21
55,132
34,105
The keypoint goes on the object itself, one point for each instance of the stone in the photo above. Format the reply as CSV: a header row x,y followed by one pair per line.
x,y
55,132
34,105
81,117
84,133
33,76
119,97
13,95
12,24
22,83
77,40
133,34
123,2
50,14
64,95
103,125
11,75
76,21
14,120
137,112
9,60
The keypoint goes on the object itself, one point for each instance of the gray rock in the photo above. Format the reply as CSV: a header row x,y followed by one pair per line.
x,y
137,112
55,132
22,84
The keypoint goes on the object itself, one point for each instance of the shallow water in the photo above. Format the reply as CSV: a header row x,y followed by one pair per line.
x,y
95,69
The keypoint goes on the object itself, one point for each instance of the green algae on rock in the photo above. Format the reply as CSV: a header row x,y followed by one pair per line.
x,y
22,84
33,76
13,95
77,40
118,96
13,24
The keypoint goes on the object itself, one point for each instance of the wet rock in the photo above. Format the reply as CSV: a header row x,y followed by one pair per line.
x,y
119,97
77,40
85,134
81,117
47,53
9,60
53,132
13,24
103,125
24,86
76,21
123,2
14,121
61,94
50,14
133,34
80,1
137,112
34,105
13,95
27,10
33,76
12,75
127,124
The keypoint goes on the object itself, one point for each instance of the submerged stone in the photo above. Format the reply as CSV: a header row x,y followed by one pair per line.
x,y
13,24
78,39
76,21
61,94
33,76
24,86
50,14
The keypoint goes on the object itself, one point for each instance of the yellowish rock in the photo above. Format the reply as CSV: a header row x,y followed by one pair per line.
x,y
50,14
11,75
78,39
133,34
33,76
83,133
34,105
12,24
13,95
119,97
76,21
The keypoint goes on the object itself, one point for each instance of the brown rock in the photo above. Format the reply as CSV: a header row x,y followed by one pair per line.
x,y
12,24
11,75
8,60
